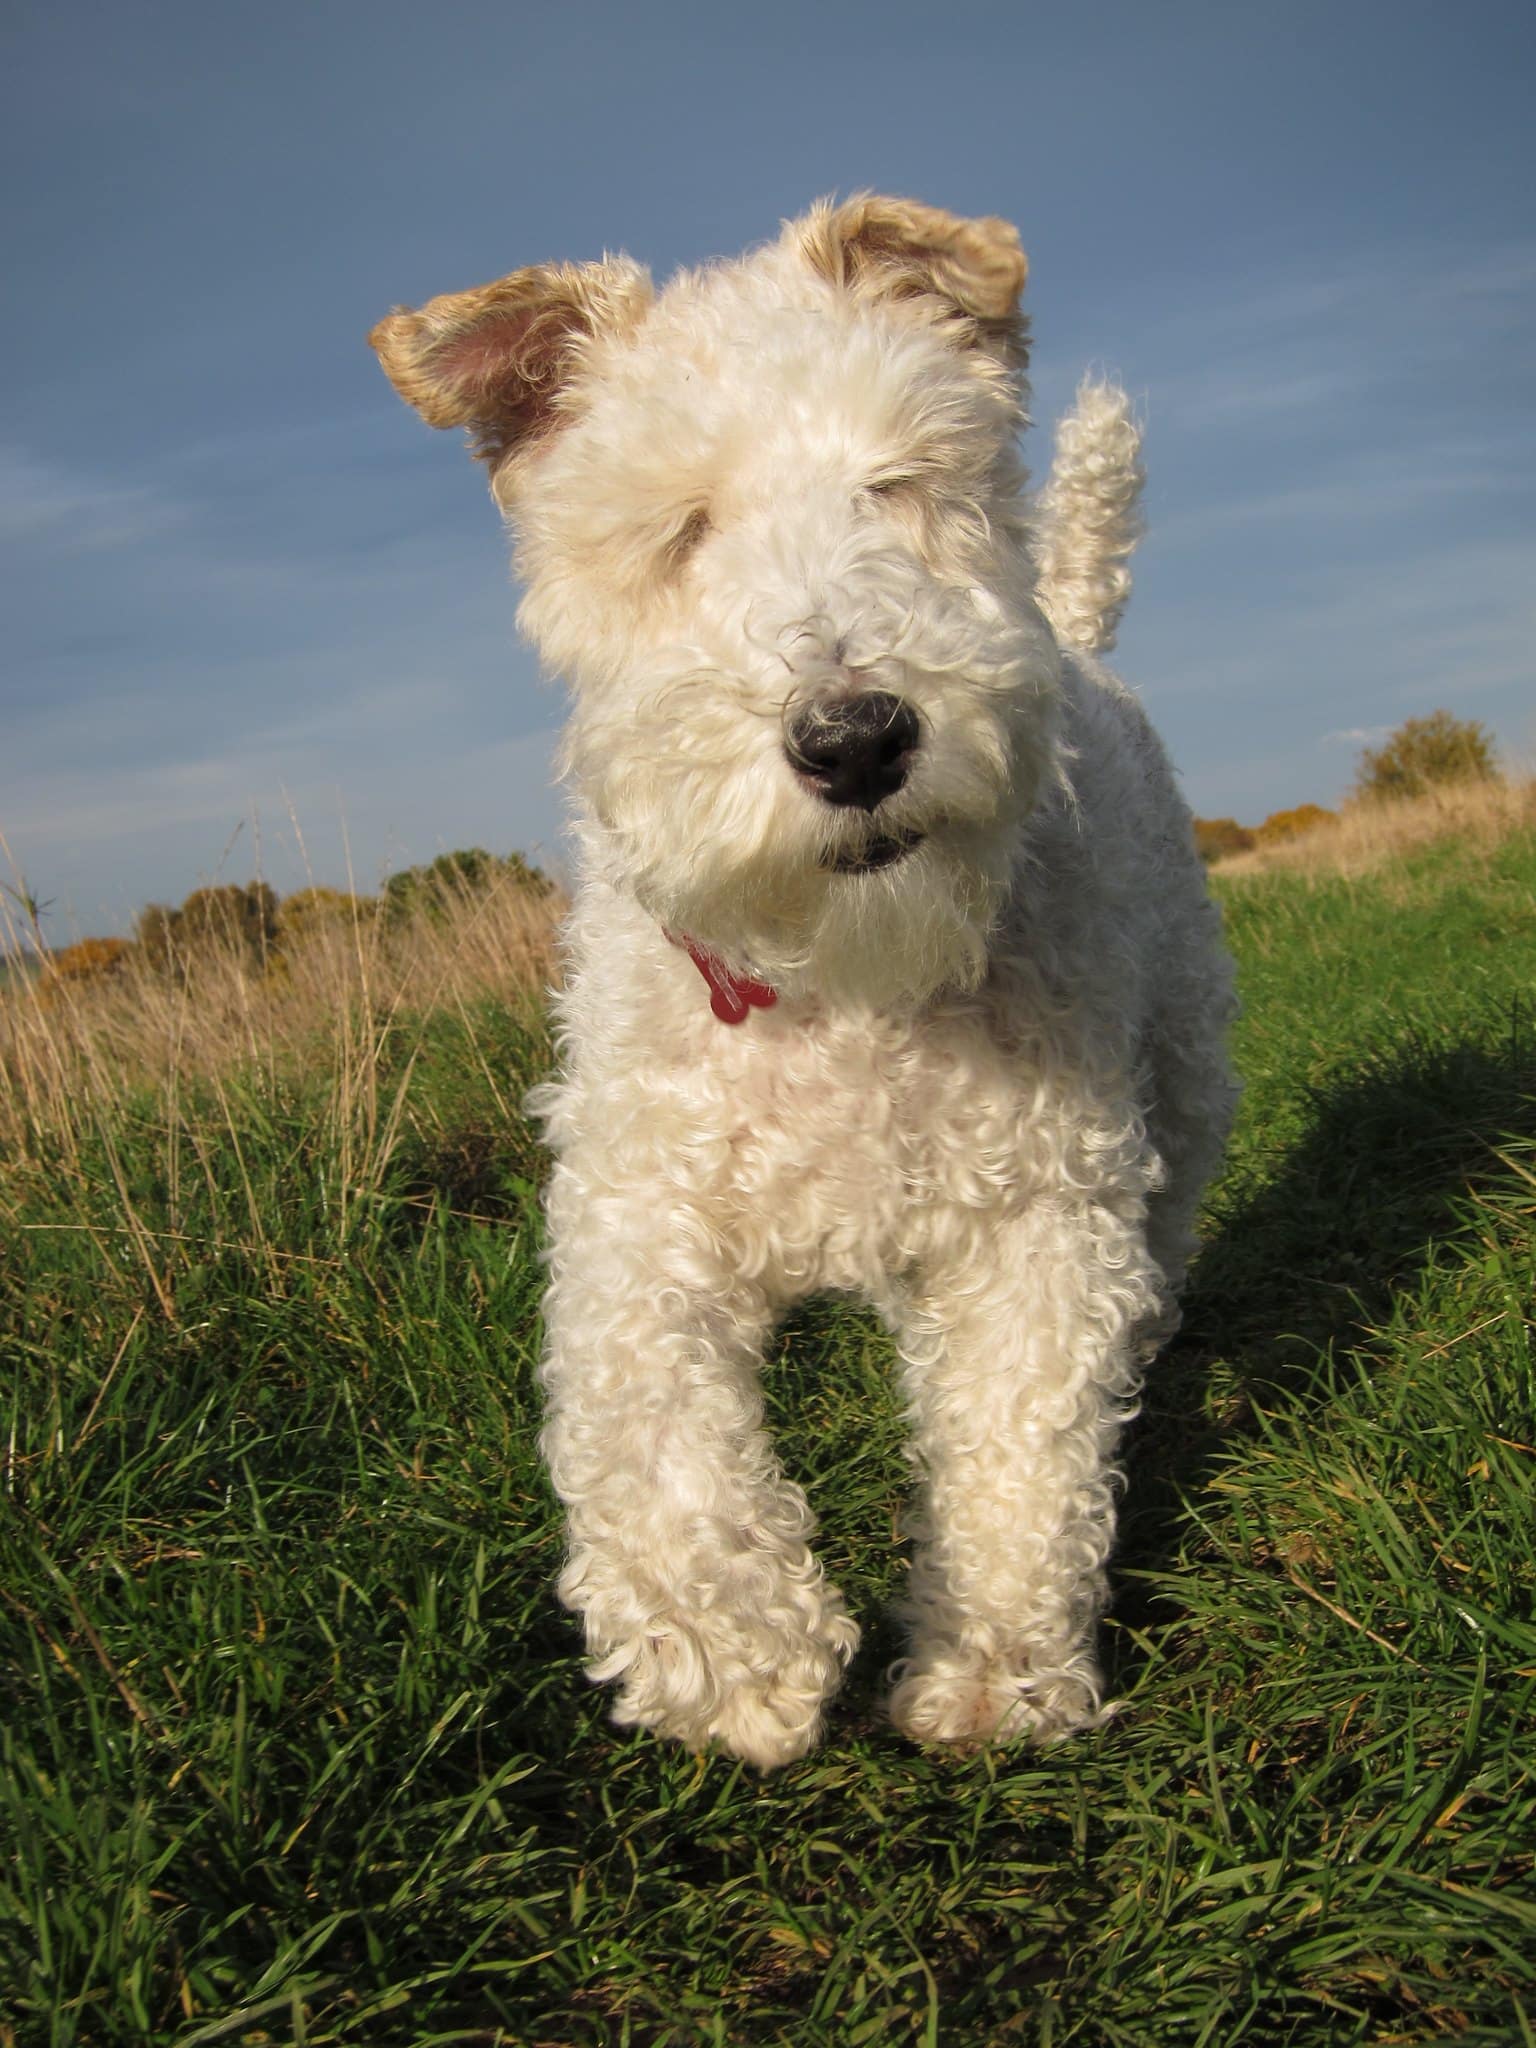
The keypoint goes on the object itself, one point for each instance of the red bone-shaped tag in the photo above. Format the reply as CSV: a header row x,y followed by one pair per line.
x,y
730,995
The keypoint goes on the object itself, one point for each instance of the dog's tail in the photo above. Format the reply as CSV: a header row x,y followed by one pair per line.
x,y
1088,517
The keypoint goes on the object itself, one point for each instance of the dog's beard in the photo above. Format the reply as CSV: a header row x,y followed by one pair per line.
x,y
704,823
888,933
903,932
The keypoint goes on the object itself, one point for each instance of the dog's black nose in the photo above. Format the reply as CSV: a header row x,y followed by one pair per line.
x,y
854,750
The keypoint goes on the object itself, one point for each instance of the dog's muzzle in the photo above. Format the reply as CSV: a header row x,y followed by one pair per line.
x,y
853,751
881,852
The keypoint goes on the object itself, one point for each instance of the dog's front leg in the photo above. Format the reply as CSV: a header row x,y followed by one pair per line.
x,y
689,1556
1021,1356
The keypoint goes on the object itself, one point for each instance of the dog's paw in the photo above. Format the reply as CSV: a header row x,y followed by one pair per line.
x,y
758,1692
970,1701
768,1722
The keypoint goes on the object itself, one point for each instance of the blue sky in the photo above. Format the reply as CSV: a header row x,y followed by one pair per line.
x,y
244,586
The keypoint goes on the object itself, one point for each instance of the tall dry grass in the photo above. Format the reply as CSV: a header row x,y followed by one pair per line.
x,y
1370,833
78,1051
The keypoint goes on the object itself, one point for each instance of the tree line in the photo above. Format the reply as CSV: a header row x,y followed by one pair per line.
x,y
253,924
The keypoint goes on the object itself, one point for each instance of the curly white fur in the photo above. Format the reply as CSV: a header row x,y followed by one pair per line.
x,y
1088,517
993,1083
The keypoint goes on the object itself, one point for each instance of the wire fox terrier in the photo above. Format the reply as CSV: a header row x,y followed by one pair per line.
x,y
891,964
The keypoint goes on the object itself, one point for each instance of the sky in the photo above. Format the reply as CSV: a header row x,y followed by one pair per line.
x,y
258,618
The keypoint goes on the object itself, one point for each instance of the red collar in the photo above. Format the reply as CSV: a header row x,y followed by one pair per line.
x,y
731,995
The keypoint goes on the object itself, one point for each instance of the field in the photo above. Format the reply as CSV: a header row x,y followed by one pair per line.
x,y
294,1745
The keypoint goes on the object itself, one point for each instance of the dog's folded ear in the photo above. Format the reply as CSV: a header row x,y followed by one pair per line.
x,y
876,247
499,359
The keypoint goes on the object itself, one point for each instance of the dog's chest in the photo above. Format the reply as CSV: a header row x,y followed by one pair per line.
x,y
850,1147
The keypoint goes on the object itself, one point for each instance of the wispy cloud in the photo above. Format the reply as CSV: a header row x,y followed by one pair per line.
x,y
1361,489
1399,293
1217,400
41,500
1384,638
1393,339
1355,736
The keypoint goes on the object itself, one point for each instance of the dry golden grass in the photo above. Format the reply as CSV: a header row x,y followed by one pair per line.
x,y
75,1047
1367,834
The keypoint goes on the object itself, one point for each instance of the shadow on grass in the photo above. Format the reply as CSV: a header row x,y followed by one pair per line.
x,y
1308,1252
1309,1245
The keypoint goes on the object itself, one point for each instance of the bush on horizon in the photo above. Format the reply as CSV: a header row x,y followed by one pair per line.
x,y
254,924
1217,838
224,918
1425,753
468,871
1280,826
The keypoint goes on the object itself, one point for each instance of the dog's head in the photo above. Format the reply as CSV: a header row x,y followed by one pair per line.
x,y
770,527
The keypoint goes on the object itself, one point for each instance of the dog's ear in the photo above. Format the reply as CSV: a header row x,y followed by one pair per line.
x,y
498,359
896,248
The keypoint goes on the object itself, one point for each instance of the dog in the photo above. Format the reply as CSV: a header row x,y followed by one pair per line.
x,y
891,966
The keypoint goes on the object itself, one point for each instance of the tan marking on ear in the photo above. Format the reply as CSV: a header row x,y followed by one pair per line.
x,y
498,359
897,248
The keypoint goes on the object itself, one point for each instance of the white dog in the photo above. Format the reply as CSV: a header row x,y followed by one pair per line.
x,y
891,967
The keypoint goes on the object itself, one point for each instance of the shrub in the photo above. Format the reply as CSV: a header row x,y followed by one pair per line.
x,y
227,919
1424,753
453,876
89,960
1215,838
315,909
1281,826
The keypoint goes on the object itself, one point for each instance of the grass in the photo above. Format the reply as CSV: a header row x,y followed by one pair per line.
x,y
295,1746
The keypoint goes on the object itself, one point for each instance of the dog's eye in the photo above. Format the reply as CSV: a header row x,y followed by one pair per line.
x,y
897,484
687,537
